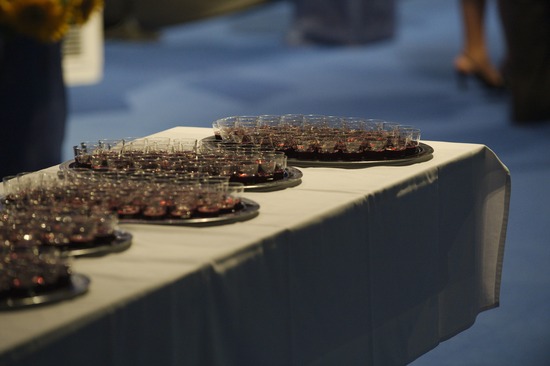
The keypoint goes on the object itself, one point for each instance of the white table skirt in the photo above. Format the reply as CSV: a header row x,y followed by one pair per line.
x,y
370,266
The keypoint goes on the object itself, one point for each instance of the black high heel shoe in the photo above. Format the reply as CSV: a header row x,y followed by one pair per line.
x,y
480,73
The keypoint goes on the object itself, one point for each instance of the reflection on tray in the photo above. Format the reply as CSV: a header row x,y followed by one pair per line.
x,y
118,242
421,153
292,177
245,210
67,288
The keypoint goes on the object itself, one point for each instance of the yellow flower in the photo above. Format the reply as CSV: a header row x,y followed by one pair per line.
x,y
45,20
6,11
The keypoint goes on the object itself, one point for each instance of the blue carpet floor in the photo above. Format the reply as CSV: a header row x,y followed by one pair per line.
x,y
242,64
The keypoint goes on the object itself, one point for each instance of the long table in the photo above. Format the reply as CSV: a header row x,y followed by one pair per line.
x,y
371,266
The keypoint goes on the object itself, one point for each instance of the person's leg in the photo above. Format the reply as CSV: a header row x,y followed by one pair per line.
x,y
474,59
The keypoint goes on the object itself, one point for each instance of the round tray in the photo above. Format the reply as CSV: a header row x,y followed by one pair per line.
x,y
121,241
249,210
292,178
78,285
425,153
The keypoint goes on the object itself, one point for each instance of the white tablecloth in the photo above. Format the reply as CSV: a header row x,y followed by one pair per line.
x,y
369,266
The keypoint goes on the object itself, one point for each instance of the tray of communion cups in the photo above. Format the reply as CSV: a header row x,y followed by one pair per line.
x,y
258,168
326,141
53,210
93,204
32,274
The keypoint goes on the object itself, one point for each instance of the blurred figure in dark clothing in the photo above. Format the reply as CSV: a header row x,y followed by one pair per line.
x,y
527,69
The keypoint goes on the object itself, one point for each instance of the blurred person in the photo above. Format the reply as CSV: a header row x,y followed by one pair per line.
x,y
33,99
527,69
33,107
474,60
